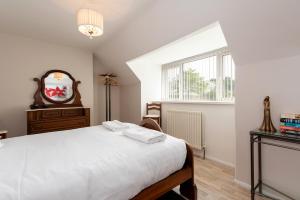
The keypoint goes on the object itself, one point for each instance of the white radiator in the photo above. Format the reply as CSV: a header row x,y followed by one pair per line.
x,y
186,125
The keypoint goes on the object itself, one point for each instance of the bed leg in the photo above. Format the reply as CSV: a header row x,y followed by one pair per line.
x,y
189,189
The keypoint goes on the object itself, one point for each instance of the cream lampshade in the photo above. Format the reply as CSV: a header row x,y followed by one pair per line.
x,y
90,23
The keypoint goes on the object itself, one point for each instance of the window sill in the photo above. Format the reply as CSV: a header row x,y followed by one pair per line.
x,y
199,102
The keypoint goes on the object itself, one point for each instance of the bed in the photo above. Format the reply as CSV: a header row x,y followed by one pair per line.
x,y
93,163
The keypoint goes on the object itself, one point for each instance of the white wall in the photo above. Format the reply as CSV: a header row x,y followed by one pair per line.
x,y
220,140
147,68
280,80
149,75
268,34
99,95
250,37
150,86
218,127
21,60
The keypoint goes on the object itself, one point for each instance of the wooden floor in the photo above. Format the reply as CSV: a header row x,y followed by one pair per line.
x,y
216,182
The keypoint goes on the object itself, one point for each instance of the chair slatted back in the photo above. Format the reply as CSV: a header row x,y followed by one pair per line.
x,y
153,106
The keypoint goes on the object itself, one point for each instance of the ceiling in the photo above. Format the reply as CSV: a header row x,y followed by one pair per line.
x,y
202,41
255,31
55,20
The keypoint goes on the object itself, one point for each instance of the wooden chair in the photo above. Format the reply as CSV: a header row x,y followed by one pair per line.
x,y
156,117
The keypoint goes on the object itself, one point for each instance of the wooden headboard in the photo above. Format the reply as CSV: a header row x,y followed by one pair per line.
x,y
151,124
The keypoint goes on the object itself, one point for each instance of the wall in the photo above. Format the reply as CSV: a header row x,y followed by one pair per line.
x,y
149,75
130,103
155,28
99,95
252,38
280,80
22,59
218,127
147,68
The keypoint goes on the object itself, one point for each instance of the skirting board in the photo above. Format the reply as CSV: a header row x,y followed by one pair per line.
x,y
199,153
248,187
243,184
220,161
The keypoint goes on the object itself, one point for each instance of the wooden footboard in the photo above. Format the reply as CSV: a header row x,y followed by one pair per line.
x,y
183,177
188,188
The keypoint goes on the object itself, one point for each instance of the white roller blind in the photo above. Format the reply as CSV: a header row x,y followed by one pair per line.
x,y
228,78
171,78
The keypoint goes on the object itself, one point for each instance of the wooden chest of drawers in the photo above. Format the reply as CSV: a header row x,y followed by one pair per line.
x,y
57,119
3,134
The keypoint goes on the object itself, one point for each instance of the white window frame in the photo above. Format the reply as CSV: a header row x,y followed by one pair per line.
x,y
219,53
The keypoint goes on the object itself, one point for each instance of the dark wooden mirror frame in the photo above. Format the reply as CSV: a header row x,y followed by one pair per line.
x,y
40,95
43,86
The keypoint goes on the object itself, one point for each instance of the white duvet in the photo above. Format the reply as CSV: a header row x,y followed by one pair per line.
x,y
84,164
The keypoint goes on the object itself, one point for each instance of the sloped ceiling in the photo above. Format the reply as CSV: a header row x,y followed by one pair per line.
x,y
255,30
205,40
55,20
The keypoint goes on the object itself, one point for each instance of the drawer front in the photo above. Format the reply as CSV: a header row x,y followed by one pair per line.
x,y
2,136
41,127
50,114
72,112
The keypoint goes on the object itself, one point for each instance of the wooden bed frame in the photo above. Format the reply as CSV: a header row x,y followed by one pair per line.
x,y
183,177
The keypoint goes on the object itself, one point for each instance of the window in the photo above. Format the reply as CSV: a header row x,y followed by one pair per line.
x,y
207,77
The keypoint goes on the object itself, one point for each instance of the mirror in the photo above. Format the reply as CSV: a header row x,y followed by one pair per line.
x,y
58,86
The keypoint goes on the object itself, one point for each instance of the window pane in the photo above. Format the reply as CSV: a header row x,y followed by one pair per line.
x,y
199,79
228,78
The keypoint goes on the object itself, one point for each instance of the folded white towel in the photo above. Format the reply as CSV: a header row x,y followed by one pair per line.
x,y
115,125
128,125
145,135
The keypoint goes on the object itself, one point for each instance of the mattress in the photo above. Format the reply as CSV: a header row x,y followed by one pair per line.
x,y
84,164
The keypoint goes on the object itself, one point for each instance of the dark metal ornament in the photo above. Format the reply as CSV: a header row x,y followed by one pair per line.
x,y
267,124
